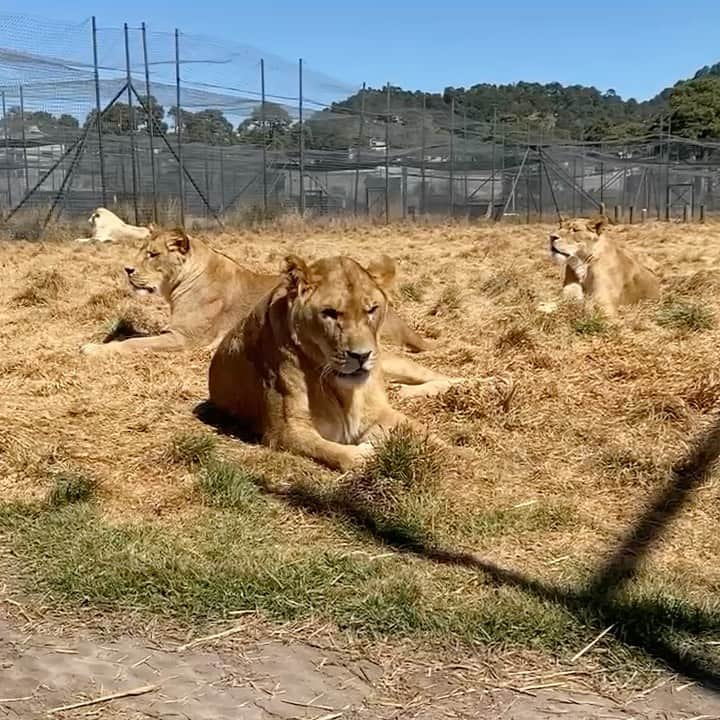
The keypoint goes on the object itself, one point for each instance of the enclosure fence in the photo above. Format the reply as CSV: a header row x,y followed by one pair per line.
x,y
168,126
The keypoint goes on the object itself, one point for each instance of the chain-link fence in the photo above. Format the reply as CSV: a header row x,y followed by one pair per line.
x,y
171,125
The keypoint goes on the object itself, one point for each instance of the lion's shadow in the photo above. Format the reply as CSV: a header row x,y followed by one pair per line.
x,y
209,414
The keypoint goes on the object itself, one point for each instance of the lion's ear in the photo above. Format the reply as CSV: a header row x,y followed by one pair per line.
x,y
382,271
178,240
598,223
151,227
296,272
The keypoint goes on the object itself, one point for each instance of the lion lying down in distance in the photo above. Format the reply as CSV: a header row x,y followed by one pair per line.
x,y
598,267
305,370
108,227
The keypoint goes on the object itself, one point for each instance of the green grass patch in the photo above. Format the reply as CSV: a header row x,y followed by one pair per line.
x,y
225,485
533,518
684,316
204,567
69,487
396,494
193,449
218,562
334,564
591,322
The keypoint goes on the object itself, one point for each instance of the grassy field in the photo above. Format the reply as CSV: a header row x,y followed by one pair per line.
x,y
115,494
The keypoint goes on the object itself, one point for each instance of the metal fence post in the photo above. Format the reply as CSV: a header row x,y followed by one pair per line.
x,y
387,158
404,191
131,123
423,188
574,186
540,175
150,125
492,179
178,129
302,138
207,183
22,136
465,163
7,152
361,140
503,151
222,180
668,210
451,157
582,183
98,110
527,178
263,123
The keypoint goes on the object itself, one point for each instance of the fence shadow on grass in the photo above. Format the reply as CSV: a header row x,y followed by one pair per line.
x,y
651,624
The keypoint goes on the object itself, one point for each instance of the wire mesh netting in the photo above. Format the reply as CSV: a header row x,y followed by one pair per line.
x,y
247,138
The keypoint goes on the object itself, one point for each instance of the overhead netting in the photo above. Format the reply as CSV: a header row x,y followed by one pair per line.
x,y
382,151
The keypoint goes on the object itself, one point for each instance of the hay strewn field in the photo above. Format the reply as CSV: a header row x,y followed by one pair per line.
x,y
558,455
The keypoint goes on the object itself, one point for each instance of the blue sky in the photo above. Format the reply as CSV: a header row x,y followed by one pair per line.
x,y
637,47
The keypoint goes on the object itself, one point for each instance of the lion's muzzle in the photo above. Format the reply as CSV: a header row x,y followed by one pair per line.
x,y
356,367
137,284
556,253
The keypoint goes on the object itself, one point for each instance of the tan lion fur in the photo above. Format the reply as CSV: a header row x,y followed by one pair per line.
x,y
305,371
598,267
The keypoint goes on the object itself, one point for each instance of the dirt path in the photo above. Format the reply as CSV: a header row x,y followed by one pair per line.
x,y
251,677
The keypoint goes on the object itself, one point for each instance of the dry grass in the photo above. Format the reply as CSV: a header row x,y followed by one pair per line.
x,y
566,446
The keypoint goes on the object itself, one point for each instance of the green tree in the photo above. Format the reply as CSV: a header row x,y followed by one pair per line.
x,y
68,121
44,121
210,127
695,106
206,126
116,120
271,127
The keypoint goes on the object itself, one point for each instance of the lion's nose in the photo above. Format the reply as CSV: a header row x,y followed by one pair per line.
x,y
129,270
554,237
359,357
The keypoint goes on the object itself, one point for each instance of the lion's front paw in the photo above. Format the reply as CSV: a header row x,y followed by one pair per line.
x,y
360,453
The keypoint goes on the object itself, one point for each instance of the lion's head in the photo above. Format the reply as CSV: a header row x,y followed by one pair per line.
x,y
576,238
102,218
336,310
160,261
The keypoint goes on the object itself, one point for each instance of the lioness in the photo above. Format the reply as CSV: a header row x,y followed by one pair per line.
x,y
108,227
598,267
208,293
303,370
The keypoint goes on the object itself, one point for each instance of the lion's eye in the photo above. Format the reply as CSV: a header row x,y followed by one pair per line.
x,y
373,309
152,254
330,313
